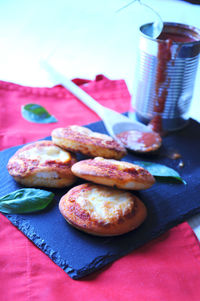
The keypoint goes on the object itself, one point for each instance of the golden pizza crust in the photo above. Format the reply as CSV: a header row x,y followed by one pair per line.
x,y
42,164
92,144
120,174
101,210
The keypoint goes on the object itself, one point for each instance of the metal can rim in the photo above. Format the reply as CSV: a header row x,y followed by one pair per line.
x,y
173,24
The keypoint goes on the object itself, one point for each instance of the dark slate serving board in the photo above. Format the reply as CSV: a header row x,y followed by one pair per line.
x,y
168,204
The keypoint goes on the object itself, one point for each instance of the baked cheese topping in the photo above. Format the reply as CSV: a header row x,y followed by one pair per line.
x,y
120,164
101,136
80,129
88,132
105,204
46,153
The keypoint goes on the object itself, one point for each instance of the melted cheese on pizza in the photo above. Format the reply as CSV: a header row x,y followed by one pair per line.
x,y
105,204
47,153
88,132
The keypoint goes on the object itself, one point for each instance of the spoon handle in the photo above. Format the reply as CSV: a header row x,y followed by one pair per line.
x,y
74,89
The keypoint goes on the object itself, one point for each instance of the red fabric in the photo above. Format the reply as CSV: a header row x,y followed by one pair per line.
x,y
167,268
15,130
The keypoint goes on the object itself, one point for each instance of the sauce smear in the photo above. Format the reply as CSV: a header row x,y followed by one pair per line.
x,y
141,142
162,79
161,85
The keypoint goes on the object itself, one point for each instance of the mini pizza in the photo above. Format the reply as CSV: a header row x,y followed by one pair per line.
x,y
42,164
120,174
101,210
92,144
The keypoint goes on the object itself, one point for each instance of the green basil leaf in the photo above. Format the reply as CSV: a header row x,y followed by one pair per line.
x,y
25,200
36,113
159,170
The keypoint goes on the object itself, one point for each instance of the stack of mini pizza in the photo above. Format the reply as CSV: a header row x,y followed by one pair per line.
x,y
102,206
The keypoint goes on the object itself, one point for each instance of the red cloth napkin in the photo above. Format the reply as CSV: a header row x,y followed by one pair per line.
x,y
15,130
167,268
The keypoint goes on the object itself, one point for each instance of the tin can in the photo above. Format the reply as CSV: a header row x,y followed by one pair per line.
x,y
165,76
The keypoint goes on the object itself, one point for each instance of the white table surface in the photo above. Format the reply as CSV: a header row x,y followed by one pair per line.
x,y
82,38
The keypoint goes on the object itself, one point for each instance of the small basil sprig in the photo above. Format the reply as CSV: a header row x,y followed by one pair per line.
x,y
159,170
36,113
25,200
